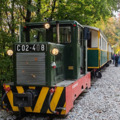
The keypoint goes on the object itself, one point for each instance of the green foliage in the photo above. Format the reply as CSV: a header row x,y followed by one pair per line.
x,y
86,11
6,64
111,29
14,12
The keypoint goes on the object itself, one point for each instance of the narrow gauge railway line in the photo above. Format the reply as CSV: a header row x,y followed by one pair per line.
x,y
4,115
54,61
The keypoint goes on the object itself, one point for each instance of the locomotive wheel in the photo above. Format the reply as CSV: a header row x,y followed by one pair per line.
x,y
107,65
98,74
92,75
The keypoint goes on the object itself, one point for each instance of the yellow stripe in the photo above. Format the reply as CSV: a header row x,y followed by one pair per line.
x,y
93,67
93,49
99,57
41,99
64,111
10,98
98,38
21,90
107,55
96,49
55,98
31,87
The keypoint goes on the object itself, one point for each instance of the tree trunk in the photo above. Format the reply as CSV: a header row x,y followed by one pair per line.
x,y
12,19
28,14
38,7
53,8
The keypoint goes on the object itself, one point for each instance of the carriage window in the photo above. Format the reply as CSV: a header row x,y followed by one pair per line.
x,y
100,42
89,41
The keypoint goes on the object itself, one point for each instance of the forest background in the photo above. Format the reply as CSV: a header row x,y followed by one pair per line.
x,y
97,13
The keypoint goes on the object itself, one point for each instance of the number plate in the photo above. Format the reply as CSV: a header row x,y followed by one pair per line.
x,y
31,48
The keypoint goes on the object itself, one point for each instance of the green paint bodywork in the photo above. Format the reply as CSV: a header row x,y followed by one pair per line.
x,y
93,58
109,56
69,54
51,76
103,57
54,76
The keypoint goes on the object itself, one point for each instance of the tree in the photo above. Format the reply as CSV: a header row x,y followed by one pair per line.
x,y
111,29
86,11
15,12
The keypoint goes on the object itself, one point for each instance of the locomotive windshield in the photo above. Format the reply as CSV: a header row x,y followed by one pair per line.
x,y
41,34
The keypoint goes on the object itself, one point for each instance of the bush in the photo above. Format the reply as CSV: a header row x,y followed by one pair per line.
x,y
6,62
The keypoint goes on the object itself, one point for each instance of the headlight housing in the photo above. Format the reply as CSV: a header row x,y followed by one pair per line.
x,y
46,25
55,51
9,52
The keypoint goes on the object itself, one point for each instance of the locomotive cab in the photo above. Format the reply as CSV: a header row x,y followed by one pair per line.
x,y
50,67
36,61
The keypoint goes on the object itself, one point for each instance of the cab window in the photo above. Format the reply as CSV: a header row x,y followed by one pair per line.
x,y
42,35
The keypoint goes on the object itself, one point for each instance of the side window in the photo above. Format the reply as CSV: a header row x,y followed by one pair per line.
x,y
99,42
81,38
54,35
89,40
80,35
37,35
65,34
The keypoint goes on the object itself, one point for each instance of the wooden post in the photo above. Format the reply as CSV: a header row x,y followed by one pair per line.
x,y
58,31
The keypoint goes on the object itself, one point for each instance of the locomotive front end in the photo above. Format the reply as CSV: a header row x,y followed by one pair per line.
x,y
38,67
30,64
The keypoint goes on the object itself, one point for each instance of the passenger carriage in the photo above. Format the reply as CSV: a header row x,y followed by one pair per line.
x,y
98,51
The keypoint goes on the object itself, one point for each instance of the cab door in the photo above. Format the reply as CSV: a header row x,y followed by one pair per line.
x,y
81,45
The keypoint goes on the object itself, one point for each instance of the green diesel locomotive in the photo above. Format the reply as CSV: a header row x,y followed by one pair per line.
x,y
50,68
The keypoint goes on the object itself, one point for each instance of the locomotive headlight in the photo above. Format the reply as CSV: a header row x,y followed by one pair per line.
x,y
47,25
55,51
9,52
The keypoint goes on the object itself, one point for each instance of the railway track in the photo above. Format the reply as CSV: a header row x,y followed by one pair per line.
x,y
11,116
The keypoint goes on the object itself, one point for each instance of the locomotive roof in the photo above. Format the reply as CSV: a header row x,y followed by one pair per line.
x,y
54,22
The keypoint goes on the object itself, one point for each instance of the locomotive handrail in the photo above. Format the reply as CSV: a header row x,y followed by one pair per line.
x,y
51,93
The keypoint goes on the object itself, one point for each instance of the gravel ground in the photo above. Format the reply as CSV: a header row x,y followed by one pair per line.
x,y
101,102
